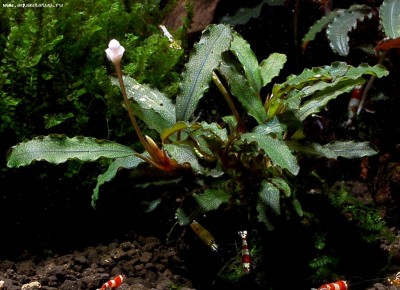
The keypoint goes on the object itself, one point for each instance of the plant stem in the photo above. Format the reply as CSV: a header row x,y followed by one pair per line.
x,y
130,111
227,97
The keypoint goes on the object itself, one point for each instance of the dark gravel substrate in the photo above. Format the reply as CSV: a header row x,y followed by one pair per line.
x,y
145,264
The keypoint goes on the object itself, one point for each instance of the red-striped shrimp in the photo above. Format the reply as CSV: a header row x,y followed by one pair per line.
x,y
338,285
245,252
113,283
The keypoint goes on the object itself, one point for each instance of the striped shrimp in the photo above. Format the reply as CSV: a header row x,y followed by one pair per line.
x,y
113,283
338,285
245,252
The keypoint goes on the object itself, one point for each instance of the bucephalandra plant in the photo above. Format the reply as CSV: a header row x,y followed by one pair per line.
x,y
247,158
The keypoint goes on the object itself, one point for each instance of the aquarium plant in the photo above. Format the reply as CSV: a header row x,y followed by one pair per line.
x,y
248,157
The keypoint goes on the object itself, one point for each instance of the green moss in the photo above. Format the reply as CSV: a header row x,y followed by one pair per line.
x,y
53,65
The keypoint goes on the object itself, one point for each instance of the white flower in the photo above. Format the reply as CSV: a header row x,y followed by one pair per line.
x,y
115,51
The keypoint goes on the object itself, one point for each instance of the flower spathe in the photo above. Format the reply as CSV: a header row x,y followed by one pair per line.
x,y
115,51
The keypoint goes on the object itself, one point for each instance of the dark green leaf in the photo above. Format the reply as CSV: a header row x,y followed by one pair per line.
x,y
59,148
338,29
270,196
197,76
211,199
276,149
128,162
241,89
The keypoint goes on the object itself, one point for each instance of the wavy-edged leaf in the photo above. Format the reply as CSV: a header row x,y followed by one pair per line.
x,y
211,199
389,13
152,106
325,76
338,29
319,26
364,68
215,130
197,75
128,162
241,89
322,84
346,149
321,98
270,67
209,139
241,48
277,150
344,77
351,149
58,149
306,78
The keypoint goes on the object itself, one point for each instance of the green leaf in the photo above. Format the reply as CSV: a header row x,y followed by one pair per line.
x,y
346,149
297,207
322,84
272,126
243,15
270,67
321,98
153,107
197,76
128,162
351,149
177,127
241,48
277,150
282,185
152,205
241,89
389,13
209,139
211,199
270,196
182,217
215,129
338,29
262,215
184,153
59,148
319,26
268,203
